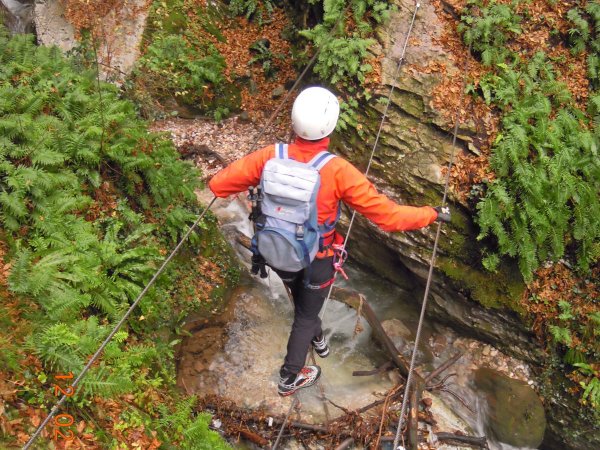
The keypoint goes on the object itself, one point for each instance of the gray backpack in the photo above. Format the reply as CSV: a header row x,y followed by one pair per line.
x,y
287,233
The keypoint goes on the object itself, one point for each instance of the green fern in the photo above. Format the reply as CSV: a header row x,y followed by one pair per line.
x,y
193,431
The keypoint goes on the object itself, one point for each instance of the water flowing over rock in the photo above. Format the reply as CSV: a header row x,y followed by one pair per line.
x,y
17,15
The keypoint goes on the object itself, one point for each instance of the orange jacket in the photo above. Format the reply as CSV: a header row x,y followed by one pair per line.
x,y
340,180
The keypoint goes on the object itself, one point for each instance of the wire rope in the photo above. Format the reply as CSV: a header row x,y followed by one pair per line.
x,y
431,264
385,112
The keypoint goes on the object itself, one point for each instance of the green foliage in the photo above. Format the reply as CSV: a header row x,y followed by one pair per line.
x,y
585,36
264,56
545,158
195,431
259,11
171,62
89,200
487,28
180,66
342,58
344,38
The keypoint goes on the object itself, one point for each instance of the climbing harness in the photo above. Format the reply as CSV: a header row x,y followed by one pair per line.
x,y
340,255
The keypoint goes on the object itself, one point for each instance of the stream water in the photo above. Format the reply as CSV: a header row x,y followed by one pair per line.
x,y
242,362
20,15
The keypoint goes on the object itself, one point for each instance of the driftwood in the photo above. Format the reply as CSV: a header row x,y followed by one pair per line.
x,y
451,438
367,373
413,420
472,441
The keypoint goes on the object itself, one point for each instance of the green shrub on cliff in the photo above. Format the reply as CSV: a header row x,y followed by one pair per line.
x,y
176,68
543,204
585,35
180,68
258,10
545,157
89,201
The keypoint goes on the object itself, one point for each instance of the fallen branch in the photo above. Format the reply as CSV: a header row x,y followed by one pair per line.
x,y
366,373
253,437
442,367
413,420
473,441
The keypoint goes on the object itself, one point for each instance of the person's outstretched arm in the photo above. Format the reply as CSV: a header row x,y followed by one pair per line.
x,y
241,174
360,194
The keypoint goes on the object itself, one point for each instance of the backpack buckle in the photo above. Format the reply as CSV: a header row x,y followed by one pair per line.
x,y
299,232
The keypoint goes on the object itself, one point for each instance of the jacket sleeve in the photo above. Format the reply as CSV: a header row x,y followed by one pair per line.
x,y
359,193
241,174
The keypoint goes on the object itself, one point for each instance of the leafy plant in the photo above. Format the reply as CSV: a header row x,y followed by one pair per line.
x,y
257,10
89,199
171,62
487,28
545,157
264,56
180,69
195,431
585,35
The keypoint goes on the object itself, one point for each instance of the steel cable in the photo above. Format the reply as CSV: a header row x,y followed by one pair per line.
x,y
432,262
385,111
95,356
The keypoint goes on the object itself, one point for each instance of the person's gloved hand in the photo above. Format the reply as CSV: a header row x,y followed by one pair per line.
x,y
443,214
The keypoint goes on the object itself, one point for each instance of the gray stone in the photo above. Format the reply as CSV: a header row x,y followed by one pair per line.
x,y
121,48
516,414
278,91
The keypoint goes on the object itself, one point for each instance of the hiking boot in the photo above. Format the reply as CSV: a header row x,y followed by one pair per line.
x,y
305,378
320,346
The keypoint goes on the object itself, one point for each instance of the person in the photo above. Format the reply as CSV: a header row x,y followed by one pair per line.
x,y
314,117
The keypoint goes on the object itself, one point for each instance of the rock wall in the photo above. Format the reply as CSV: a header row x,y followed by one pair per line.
x,y
120,34
414,149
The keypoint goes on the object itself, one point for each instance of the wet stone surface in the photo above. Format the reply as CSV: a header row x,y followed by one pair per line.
x,y
515,411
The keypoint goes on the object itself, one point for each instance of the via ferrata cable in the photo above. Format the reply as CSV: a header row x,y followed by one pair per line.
x,y
432,261
96,355
385,112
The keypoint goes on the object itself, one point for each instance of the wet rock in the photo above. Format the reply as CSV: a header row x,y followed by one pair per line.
x,y
516,414
395,328
17,15
446,419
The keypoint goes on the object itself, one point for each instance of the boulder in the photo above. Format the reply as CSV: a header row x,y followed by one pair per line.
x,y
515,412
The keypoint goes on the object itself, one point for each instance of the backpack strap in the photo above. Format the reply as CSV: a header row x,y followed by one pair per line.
x,y
281,151
320,159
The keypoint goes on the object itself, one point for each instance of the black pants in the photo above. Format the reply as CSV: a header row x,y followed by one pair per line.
x,y
307,304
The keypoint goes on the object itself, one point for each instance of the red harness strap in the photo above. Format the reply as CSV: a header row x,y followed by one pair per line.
x,y
334,243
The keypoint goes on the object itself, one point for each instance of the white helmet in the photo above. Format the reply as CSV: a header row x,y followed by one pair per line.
x,y
315,113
